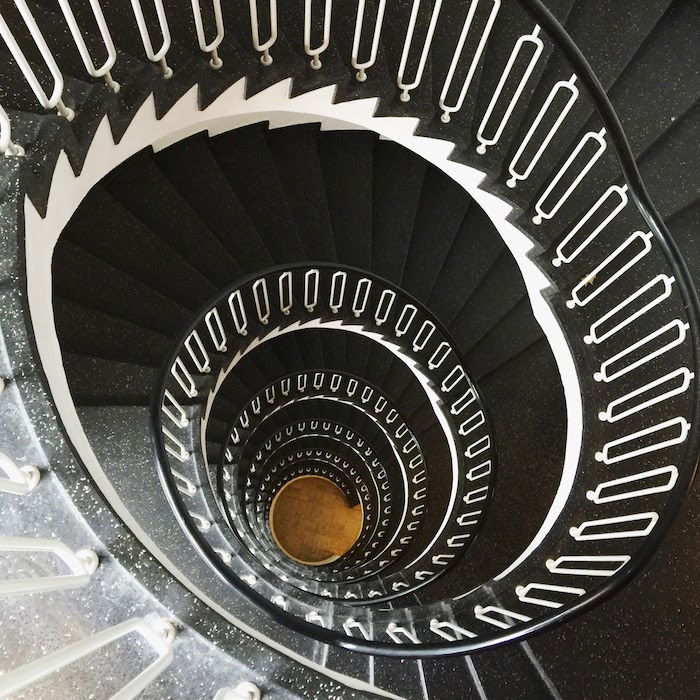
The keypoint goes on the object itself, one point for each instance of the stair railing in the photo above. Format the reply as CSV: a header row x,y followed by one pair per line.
x,y
7,146
159,56
404,86
362,66
55,99
315,51
263,47
158,634
671,432
17,480
104,71
212,46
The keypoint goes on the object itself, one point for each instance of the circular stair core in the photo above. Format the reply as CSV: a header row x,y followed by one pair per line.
x,y
312,521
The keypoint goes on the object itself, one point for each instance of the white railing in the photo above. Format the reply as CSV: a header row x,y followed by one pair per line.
x,y
55,99
362,66
81,564
154,56
263,46
104,70
243,691
17,480
404,86
212,46
315,51
480,45
159,637
7,148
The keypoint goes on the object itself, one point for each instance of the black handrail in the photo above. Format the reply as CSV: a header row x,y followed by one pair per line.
x,y
648,211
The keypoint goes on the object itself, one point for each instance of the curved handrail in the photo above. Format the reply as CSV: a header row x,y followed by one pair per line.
x,y
639,194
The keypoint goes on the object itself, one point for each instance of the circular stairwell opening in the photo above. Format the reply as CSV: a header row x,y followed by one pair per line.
x,y
312,521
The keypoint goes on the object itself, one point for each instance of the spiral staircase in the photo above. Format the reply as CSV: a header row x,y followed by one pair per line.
x,y
404,246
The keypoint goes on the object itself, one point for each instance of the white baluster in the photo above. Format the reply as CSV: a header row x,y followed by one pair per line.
x,y
154,56
534,39
18,480
509,617
439,627
203,525
562,86
184,485
82,564
159,636
216,329
285,292
362,66
315,52
635,485
543,212
55,100
197,352
599,530
400,635
615,320
523,593
615,366
612,451
104,70
448,109
614,192
7,147
177,449
243,691
351,624
603,275
595,565
404,86
211,47
263,47
656,391
179,417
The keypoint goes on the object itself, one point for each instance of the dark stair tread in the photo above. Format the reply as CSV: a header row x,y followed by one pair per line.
x,y
87,280
167,214
296,159
126,243
98,381
245,159
88,332
398,181
500,289
442,207
216,204
347,162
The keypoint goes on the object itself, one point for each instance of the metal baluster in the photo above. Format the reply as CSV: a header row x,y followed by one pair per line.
x,y
18,480
563,86
361,67
314,53
160,637
7,147
403,86
212,46
104,70
159,56
534,40
82,565
448,109
55,101
263,48
243,691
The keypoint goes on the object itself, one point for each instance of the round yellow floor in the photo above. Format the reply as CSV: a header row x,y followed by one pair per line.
x,y
312,522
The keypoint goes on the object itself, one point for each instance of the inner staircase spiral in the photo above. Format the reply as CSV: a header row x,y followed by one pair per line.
x,y
419,262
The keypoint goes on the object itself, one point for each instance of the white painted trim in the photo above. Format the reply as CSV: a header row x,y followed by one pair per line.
x,y
229,111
